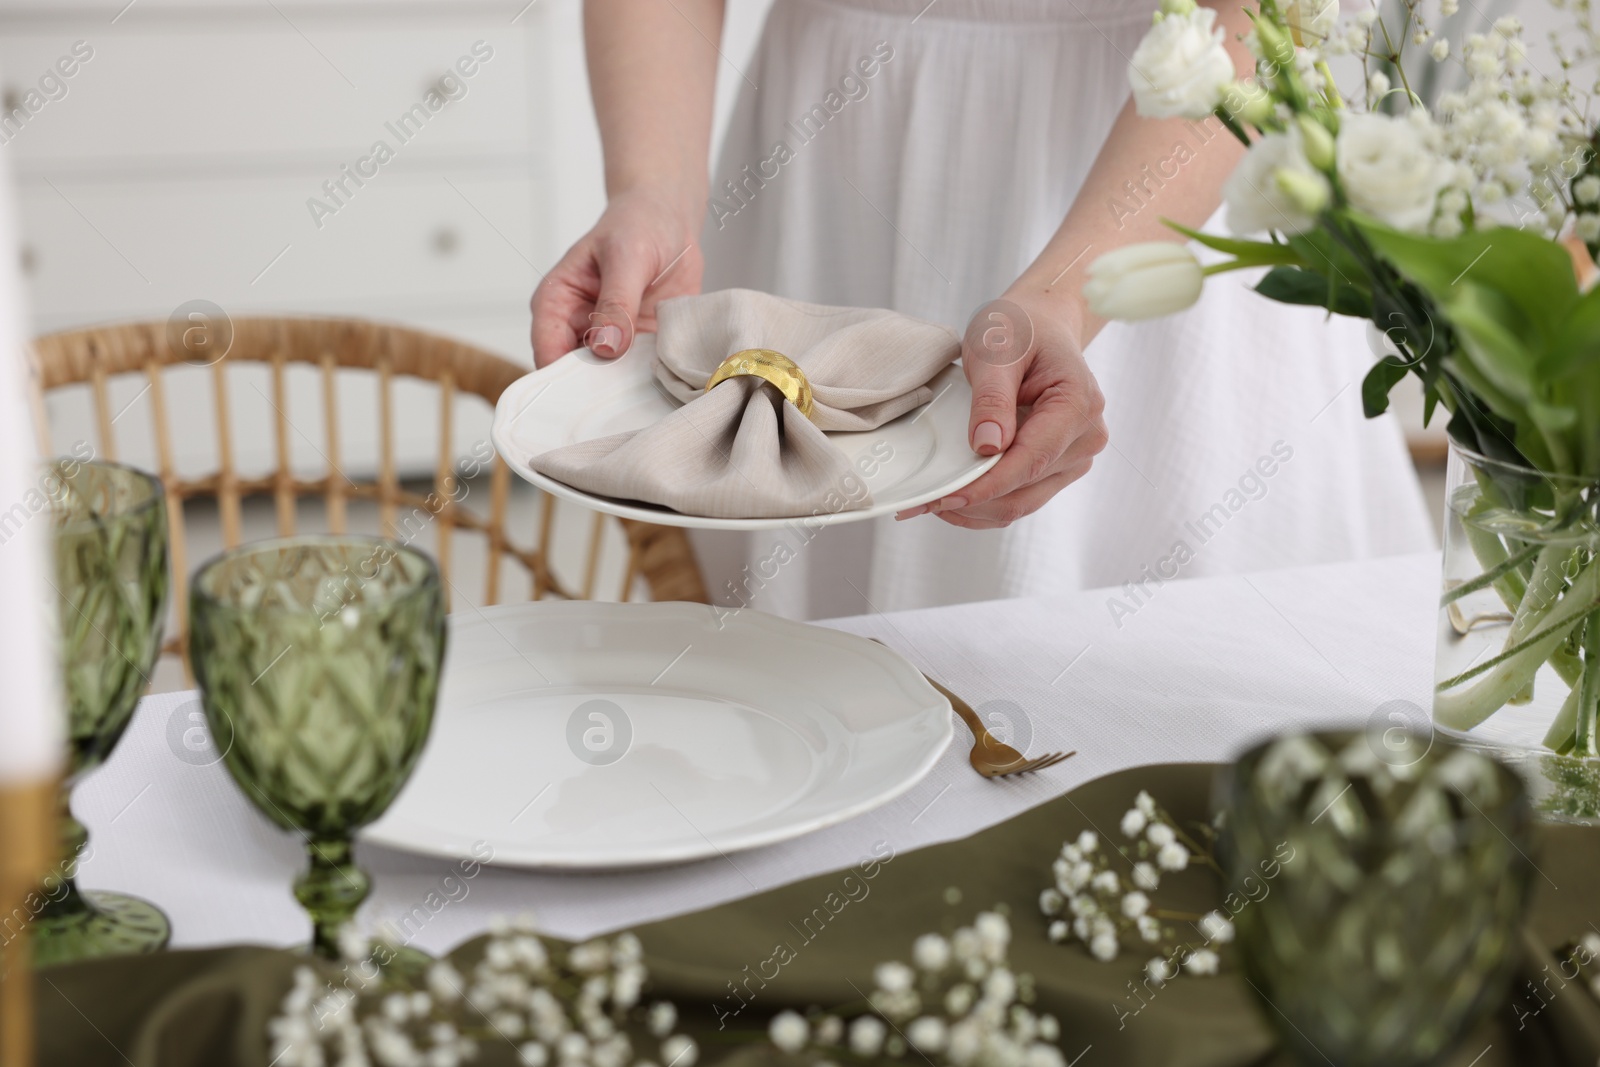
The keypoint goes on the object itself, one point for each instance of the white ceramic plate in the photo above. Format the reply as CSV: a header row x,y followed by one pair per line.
x,y
592,736
580,397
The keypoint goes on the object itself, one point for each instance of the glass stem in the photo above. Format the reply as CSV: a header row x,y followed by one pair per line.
x,y
330,890
61,895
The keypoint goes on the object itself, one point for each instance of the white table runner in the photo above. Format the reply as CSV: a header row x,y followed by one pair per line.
x,y
1186,671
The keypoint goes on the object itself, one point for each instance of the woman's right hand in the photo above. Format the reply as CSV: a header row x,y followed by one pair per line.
x,y
643,250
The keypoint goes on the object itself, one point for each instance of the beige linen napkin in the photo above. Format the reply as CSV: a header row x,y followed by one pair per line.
x,y
741,451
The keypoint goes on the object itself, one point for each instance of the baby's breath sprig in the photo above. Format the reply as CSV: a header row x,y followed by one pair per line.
x,y
958,1003
1095,902
577,1007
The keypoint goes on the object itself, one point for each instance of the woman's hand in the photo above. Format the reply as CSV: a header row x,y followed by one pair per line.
x,y
605,289
1034,400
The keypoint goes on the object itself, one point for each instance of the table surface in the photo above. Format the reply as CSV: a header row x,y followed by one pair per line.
x,y
1189,670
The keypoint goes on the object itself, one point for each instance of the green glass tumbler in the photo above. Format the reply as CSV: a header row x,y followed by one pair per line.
x,y
1391,874
110,543
320,657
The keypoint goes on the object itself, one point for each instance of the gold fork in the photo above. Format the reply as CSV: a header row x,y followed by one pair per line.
x,y
990,756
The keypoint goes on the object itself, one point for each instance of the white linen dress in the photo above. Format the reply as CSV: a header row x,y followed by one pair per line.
x,y
928,152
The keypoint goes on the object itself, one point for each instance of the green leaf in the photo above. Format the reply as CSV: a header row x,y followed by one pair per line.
x,y
1297,285
1261,252
1533,274
1384,376
1576,342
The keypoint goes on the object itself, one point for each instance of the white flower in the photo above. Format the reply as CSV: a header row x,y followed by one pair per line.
x,y
1215,926
1441,49
1161,835
1084,906
932,952
829,1030
1275,187
789,1031
893,977
927,1034
1135,904
1146,877
679,1050
1181,69
1040,1055
1104,947
994,934
1145,803
1587,189
1000,987
1149,928
1088,841
1202,961
1587,228
1057,931
1173,857
1311,21
866,1035
1049,1028
533,1054
1133,823
959,1000
1387,171
662,1018
1143,281
1158,969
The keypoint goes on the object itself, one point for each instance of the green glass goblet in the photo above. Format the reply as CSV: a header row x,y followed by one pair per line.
x,y
110,540
320,657
1398,876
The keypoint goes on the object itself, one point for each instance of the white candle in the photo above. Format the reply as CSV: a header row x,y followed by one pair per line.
x,y
31,715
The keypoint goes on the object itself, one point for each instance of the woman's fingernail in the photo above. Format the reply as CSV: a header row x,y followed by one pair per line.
x,y
986,438
911,513
605,340
951,503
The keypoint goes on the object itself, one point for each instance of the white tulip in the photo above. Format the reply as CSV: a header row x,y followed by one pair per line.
x,y
1273,186
1143,281
1387,172
1181,69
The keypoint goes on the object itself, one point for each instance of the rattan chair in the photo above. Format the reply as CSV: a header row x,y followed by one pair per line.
x,y
658,554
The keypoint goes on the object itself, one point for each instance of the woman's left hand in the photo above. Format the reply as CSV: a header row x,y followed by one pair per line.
x,y
1034,400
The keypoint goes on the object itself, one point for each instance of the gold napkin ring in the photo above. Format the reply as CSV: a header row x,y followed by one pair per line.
x,y
775,368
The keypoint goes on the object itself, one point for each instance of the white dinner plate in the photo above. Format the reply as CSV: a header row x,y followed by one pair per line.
x,y
593,736
581,397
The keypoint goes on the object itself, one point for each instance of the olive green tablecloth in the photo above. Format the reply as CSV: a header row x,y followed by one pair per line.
x,y
815,943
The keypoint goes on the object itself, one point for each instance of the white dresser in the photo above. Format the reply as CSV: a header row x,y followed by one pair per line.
x,y
185,155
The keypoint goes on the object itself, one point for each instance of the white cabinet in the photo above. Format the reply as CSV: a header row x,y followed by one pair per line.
x,y
187,153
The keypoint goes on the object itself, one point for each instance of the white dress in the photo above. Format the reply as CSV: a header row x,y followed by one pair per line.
x,y
920,162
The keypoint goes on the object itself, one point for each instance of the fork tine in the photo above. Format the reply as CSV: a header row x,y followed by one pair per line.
x,y
1039,763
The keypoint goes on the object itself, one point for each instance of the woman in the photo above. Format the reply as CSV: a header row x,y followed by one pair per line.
x,y
930,157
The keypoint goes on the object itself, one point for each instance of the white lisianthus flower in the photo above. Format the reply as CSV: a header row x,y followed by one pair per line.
x,y
1387,172
1275,187
789,1031
1311,21
1181,69
1143,281
1133,823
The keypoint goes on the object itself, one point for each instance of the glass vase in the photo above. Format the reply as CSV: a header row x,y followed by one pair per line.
x,y
1517,661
